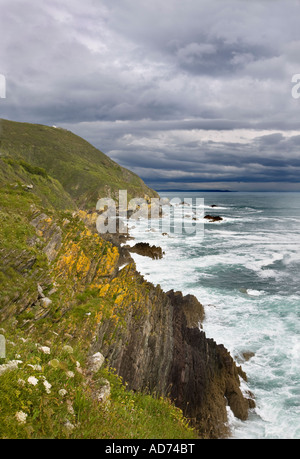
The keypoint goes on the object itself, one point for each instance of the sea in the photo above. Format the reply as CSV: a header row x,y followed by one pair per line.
x,y
245,270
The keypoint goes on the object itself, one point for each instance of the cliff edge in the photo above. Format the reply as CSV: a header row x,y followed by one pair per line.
x,y
64,285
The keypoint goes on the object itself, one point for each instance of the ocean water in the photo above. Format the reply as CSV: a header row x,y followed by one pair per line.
x,y
245,270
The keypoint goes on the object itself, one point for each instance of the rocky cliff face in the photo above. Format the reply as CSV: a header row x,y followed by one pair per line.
x,y
151,338
155,343
203,376
160,347
61,280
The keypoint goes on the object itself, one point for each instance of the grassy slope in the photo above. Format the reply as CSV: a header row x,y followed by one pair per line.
x,y
85,172
17,175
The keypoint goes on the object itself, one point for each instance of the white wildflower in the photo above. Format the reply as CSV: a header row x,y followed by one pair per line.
x,y
70,374
77,364
35,367
21,382
62,392
21,417
11,365
68,349
70,407
47,386
69,426
33,380
45,349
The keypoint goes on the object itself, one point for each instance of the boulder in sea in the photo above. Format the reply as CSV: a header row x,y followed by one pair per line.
x,y
244,356
213,218
247,355
144,248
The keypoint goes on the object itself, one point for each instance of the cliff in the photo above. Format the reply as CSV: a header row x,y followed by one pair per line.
x,y
84,172
62,284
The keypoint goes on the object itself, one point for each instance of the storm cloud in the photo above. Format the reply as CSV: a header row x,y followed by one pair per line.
x,y
193,94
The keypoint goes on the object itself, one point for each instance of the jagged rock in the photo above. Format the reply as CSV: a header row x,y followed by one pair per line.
x,y
95,362
160,348
40,291
27,187
45,302
144,248
103,394
247,355
125,256
202,376
51,233
151,338
213,218
193,309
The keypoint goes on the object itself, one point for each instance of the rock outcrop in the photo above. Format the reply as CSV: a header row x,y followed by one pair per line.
x,y
64,285
151,338
203,377
213,218
146,250
159,347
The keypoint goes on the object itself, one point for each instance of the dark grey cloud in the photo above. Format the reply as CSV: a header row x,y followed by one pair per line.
x,y
180,92
267,158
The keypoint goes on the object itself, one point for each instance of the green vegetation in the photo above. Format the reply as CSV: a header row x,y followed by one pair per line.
x,y
85,173
22,183
48,393
46,388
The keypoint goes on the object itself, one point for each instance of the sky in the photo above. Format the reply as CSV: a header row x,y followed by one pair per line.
x,y
193,94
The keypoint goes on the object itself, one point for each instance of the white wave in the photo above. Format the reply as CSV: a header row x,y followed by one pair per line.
x,y
216,207
255,321
253,292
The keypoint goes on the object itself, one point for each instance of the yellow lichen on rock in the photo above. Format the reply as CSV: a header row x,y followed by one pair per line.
x,y
66,262
108,262
83,264
103,290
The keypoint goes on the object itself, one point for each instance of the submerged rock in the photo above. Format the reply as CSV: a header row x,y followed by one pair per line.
x,y
213,218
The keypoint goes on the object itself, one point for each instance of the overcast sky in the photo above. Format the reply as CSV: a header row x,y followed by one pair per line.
x,y
188,94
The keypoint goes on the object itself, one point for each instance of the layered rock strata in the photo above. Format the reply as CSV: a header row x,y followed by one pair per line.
x,y
151,338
